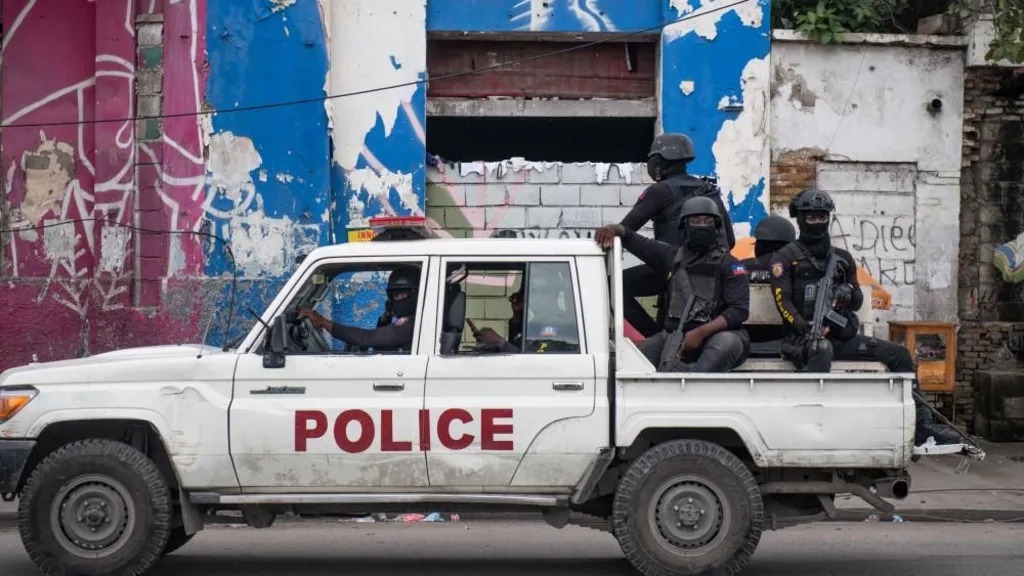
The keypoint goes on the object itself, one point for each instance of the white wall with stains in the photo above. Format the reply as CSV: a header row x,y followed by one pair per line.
x,y
885,120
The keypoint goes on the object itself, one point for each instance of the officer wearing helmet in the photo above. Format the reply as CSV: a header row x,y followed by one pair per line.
x,y
714,337
795,271
770,235
661,203
395,327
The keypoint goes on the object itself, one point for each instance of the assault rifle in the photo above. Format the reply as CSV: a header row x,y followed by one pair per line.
x,y
670,353
823,302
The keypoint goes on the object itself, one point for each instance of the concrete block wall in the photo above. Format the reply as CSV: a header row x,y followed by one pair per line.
x,y
531,199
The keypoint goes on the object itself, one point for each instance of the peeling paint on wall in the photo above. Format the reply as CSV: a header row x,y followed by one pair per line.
x,y
268,246
740,163
787,83
379,138
602,170
705,22
725,113
362,25
114,248
47,171
368,184
230,163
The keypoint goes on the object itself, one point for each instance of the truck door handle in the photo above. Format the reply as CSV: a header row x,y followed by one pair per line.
x,y
567,385
388,386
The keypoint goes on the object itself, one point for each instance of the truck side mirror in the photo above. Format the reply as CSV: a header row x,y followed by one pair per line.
x,y
277,343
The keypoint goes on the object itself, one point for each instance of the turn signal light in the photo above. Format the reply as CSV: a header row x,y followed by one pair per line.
x,y
13,399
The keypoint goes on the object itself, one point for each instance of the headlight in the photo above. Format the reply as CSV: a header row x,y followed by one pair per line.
x,y
13,399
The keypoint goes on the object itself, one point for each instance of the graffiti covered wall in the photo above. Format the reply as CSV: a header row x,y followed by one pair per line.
x,y
73,286
71,154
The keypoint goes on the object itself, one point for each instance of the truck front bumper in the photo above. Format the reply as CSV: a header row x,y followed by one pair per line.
x,y
13,457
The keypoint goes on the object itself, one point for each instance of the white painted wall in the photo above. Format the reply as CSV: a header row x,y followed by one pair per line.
x,y
889,159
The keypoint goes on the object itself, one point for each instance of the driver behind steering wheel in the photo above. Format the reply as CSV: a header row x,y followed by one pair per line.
x,y
397,334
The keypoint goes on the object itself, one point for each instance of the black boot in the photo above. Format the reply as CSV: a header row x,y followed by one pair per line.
x,y
927,426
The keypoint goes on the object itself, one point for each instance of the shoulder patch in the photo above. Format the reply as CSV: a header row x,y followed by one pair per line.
x,y
777,269
738,270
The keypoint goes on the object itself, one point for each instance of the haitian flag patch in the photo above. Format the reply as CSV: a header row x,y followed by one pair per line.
x,y
738,270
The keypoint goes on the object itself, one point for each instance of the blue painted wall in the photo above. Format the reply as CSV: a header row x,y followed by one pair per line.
x,y
559,16
262,56
259,56
715,66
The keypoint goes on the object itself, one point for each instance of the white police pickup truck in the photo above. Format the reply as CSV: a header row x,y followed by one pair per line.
x,y
119,458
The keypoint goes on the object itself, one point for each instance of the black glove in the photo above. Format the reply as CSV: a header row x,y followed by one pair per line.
x,y
843,294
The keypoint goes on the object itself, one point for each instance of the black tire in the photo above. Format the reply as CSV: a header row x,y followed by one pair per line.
x,y
105,495
176,540
688,507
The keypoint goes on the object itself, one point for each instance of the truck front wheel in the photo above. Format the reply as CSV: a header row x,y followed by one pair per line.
x,y
95,507
687,507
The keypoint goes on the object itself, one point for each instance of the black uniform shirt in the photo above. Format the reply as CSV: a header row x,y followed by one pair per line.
x,y
735,287
786,264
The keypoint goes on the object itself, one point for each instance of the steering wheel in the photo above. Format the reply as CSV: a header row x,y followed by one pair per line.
x,y
311,337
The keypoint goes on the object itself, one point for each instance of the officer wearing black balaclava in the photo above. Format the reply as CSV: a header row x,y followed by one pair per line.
x,y
715,340
395,329
795,271
770,235
661,203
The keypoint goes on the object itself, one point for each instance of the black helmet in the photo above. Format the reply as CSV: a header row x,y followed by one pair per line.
x,y
672,146
811,200
404,278
774,228
697,206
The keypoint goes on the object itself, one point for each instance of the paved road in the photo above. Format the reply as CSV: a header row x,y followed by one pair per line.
x,y
513,548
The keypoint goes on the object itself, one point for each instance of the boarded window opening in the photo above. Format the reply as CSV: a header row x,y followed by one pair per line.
x,y
621,70
540,139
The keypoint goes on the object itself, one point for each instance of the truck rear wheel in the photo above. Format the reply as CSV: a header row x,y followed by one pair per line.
x,y
687,507
95,507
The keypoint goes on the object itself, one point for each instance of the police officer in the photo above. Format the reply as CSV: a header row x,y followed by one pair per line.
x,y
714,337
394,331
770,235
661,202
795,271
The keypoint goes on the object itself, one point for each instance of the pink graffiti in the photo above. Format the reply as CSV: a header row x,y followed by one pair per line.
x,y
70,61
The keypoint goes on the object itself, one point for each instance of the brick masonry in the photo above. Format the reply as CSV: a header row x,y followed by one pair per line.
x,y
991,311
791,172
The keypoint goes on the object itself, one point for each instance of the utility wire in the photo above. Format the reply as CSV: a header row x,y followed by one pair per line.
x,y
255,107
201,232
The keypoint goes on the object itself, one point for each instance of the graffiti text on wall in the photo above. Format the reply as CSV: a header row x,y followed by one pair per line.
x,y
884,246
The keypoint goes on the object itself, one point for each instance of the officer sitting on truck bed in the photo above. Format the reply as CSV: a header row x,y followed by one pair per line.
x,y
660,203
714,337
771,234
394,331
796,270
